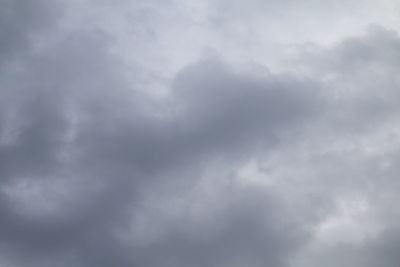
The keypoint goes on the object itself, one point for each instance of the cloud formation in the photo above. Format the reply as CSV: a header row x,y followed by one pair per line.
x,y
122,143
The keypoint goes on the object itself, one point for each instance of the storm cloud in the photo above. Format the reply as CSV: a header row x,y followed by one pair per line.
x,y
198,133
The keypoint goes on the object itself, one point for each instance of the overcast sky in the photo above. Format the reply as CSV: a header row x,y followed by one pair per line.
x,y
199,133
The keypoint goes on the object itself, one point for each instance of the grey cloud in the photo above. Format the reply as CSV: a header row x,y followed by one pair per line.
x,y
252,229
355,152
92,175
21,23
359,77
73,117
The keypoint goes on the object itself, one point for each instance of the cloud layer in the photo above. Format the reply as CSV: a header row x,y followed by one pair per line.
x,y
157,134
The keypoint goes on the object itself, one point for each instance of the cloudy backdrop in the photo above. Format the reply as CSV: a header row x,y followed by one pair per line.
x,y
199,133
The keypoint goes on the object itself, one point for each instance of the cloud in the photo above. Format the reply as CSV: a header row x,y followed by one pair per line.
x,y
79,150
109,161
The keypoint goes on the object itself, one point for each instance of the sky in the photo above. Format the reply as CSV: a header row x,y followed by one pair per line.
x,y
192,133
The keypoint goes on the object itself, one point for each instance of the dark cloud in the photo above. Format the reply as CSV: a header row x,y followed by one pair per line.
x,y
21,24
72,123
97,169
